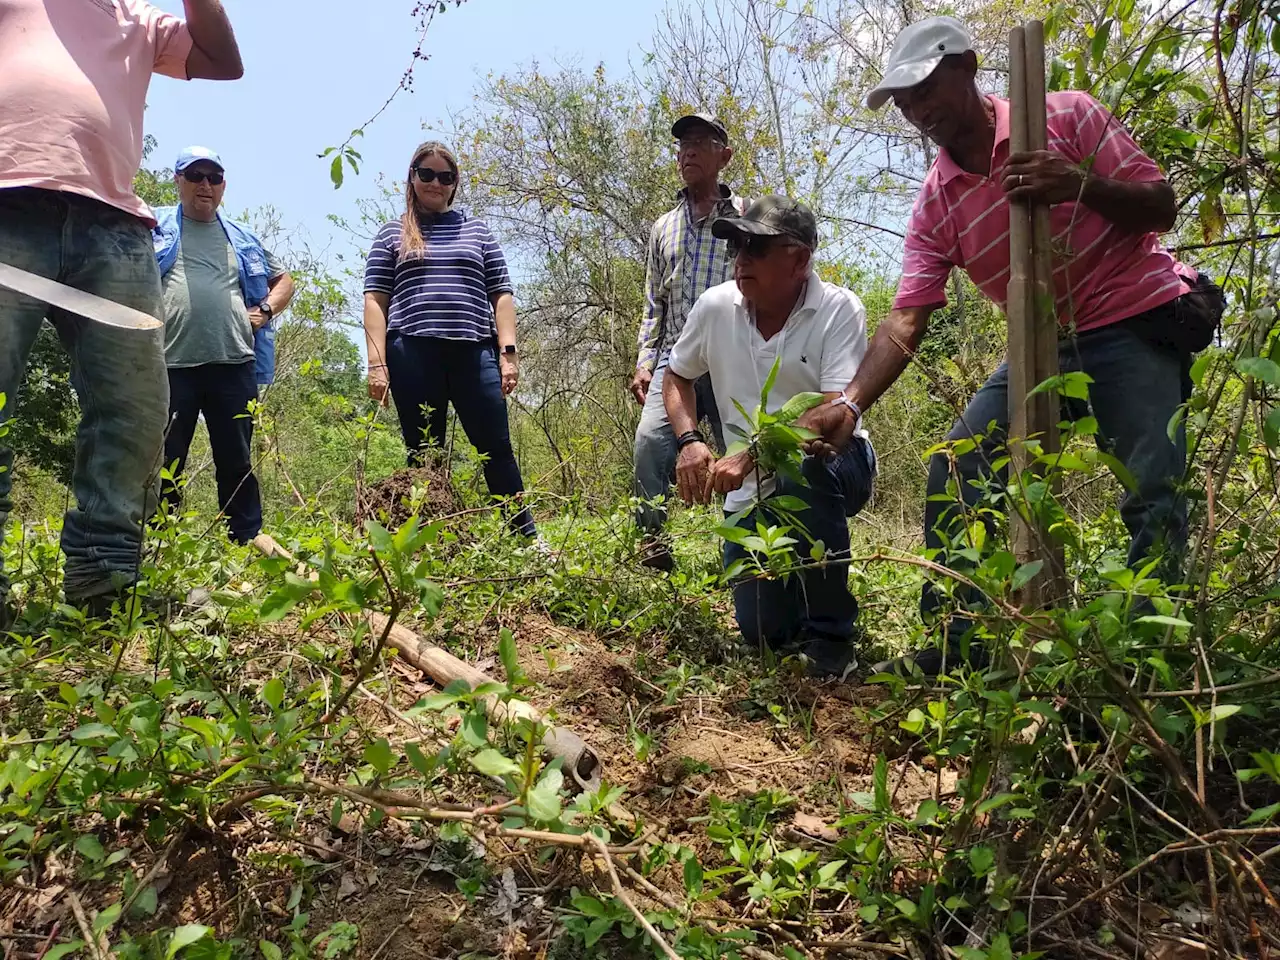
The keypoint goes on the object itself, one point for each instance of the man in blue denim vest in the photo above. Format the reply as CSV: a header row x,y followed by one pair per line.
x,y
222,292
73,87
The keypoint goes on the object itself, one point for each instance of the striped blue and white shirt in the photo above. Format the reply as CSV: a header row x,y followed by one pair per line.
x,y
685,261
448,291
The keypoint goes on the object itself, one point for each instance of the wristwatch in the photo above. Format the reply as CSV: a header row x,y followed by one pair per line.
x,y
265,307
509,350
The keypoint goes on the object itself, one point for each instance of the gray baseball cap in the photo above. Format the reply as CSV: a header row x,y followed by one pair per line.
x,y
772,216
689,122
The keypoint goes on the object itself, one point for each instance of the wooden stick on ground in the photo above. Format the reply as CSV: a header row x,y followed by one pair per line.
x,y
580,761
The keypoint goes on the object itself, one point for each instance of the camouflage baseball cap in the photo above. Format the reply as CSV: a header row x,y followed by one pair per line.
x,y
772,216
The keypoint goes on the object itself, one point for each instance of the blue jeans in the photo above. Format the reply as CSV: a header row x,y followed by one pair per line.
x,y
1136,389
429,373
655,450
222,392
811,610
119,375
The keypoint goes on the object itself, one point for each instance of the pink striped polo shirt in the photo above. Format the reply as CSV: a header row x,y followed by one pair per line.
x,y
74,76
1101,273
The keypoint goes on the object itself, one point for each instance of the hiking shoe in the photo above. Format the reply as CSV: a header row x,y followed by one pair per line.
x,y
100,606
655,553
827,659
933,662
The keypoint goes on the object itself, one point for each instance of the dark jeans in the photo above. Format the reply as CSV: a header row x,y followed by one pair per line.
x,y
655,448
222,392
1136,389
118,375
812,609
429,373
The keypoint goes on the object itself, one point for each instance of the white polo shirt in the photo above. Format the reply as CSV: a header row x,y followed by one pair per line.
x,y
821,345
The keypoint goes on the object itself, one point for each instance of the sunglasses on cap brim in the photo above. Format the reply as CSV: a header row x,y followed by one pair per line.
x,y
447,178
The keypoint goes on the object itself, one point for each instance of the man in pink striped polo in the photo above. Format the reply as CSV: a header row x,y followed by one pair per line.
x,y
1120,295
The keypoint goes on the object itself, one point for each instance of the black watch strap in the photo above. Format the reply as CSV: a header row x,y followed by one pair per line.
x,y
509,350
265,307
692,436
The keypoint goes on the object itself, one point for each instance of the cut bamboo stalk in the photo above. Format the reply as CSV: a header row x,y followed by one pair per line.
x,y
580,761
1033,339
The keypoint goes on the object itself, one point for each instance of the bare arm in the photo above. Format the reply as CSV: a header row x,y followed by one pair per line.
x,y
695,461
504,313
281,293
1135,206
376,306
894,343
215,55
679,399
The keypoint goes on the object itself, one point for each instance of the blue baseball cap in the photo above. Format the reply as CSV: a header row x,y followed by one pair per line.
x,y
194,154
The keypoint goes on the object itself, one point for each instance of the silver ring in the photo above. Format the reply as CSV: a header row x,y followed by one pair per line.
x,y
1021,178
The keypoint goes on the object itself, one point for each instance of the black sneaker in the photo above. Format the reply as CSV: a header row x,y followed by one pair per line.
x,y
827,659
933,662
655,553
101,606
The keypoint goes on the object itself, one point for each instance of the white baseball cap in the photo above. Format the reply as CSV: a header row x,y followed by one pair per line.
x,y
916,54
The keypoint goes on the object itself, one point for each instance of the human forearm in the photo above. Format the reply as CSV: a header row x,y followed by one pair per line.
x,y
504,313
215,55
280,294
375,328
678,397
891,348
1133,207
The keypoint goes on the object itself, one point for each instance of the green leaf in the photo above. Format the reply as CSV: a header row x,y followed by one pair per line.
x,y
1099,46
335,171
769,382
510,658
981,860
544,799
494,764
693,876
1165,621
379,756
880,777
107,918
269,950
994,803
92,731
1222,711
799,404
277,605
146,904
63,949
1271,429
475,727
273,693
1260,368
869,913
1263,814
184,936
379,537
1025,574
90,847
423,764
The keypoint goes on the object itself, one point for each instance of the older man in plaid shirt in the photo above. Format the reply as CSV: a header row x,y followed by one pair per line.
x,y
684,261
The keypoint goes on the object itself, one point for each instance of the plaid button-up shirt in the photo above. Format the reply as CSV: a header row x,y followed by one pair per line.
x,y
684,261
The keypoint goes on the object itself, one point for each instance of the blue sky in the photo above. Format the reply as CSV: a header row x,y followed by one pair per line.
x,y
314,71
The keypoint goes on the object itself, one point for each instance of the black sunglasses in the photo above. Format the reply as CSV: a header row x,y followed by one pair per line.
x,y
755,246
197,176
447,178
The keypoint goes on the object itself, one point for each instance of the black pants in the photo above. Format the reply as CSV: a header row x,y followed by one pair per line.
x,y
429,373
221,391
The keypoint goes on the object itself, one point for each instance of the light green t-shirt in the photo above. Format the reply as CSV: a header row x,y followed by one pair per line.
x,y
205,316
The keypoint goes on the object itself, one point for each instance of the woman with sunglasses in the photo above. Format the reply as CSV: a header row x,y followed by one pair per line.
x,y
440,324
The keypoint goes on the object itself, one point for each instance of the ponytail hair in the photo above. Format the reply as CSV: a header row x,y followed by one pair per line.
x,y
412,245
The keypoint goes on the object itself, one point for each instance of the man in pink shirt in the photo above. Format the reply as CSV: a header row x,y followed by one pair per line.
x,y
73,87
1123,301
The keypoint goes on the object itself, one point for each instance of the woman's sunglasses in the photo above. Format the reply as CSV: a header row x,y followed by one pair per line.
x,y
447,178
199,176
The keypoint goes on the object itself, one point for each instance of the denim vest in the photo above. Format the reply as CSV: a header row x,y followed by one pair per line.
x,y
254,282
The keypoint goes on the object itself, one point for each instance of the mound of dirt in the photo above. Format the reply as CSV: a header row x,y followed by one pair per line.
x,y
392,501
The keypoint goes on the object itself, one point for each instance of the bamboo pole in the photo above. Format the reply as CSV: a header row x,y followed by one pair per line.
x,y
580,761
1033,336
